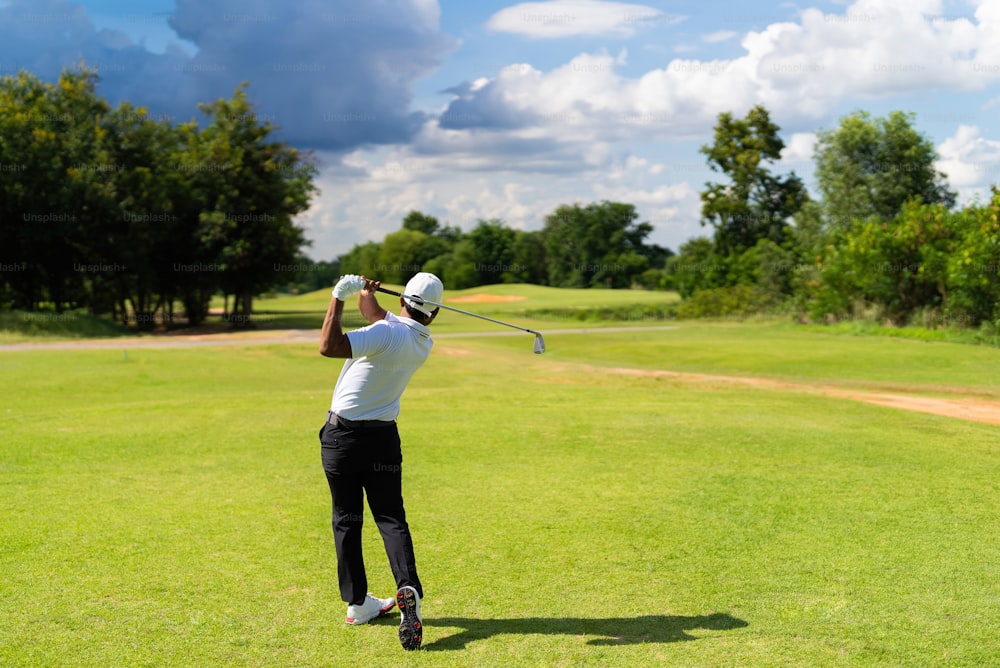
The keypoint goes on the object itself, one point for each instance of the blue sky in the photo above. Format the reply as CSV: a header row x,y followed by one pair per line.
x,y
478,110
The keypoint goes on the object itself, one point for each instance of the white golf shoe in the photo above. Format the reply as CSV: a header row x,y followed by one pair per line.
x,y
411,625
369,610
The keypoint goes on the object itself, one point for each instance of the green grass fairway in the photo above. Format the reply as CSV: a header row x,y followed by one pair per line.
x,y
307,311
170,509
788,352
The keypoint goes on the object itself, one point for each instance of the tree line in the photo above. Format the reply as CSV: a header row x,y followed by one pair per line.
x,y
884,241
601,244
117,211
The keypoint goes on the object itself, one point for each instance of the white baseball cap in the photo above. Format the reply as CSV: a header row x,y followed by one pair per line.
x,y
426,286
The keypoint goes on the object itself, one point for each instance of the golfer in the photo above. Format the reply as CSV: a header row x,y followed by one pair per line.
x,y
360,441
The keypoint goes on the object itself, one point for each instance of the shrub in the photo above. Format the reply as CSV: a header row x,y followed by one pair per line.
x,y
736,300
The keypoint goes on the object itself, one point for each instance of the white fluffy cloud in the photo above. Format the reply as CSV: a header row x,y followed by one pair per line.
x,y
521,142
970,161
568,18
367,195
799,70
588,98
799,148
489,149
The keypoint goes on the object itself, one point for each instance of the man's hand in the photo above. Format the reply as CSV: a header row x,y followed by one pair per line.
x,y
370,309
348,286
370,287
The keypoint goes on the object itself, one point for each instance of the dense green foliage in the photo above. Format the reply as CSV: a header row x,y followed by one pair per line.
x,y
754,243
754,205
117,211
884,243
873,167
926,260
597,245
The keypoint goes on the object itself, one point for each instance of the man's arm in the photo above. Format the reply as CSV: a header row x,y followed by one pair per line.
x,y
333,342
368,304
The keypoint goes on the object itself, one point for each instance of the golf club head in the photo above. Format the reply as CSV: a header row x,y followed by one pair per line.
x,y
539,344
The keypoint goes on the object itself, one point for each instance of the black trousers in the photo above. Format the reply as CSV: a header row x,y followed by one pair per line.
x,y
361,462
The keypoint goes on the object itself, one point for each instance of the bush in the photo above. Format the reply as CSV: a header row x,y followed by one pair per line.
x,y
623,313
926,259
736,300
696,267
654,279
68,324
973,268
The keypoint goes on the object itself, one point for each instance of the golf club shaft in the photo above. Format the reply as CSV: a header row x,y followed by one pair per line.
x,y
420,300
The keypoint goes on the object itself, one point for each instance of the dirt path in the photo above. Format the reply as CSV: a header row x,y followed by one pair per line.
x,y
962,404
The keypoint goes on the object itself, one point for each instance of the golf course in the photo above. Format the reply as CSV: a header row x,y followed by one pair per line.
x,y
646,492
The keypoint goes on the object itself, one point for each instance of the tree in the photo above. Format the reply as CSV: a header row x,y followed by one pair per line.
x,y
141,222
53,189
361,259
253,188
772,268
896,266
397,259
528,252
808,242
596,245
755,204
194,249
307,275
696,267
110,207
872,167
456,268
404,253
973,267
420,222
493,250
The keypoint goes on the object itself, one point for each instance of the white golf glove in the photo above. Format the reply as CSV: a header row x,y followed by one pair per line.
x,y
348,286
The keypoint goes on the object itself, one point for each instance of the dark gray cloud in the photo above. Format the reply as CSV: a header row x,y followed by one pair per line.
x,y
333,74
46,36
482,106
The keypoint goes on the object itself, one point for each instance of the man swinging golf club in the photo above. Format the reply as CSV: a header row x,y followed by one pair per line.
x,y
360,441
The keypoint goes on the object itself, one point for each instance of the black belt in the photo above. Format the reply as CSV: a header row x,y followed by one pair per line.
x,y
336,420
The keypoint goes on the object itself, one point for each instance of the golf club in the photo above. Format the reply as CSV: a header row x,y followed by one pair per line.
x,y
539,341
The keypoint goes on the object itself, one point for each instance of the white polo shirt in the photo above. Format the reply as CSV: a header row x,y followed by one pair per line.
x,y
385,355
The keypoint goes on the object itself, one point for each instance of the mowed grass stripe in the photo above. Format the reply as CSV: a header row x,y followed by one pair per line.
x,y
774,350
175,512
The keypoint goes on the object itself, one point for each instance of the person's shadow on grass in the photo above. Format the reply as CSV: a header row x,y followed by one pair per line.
x,y
618,631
